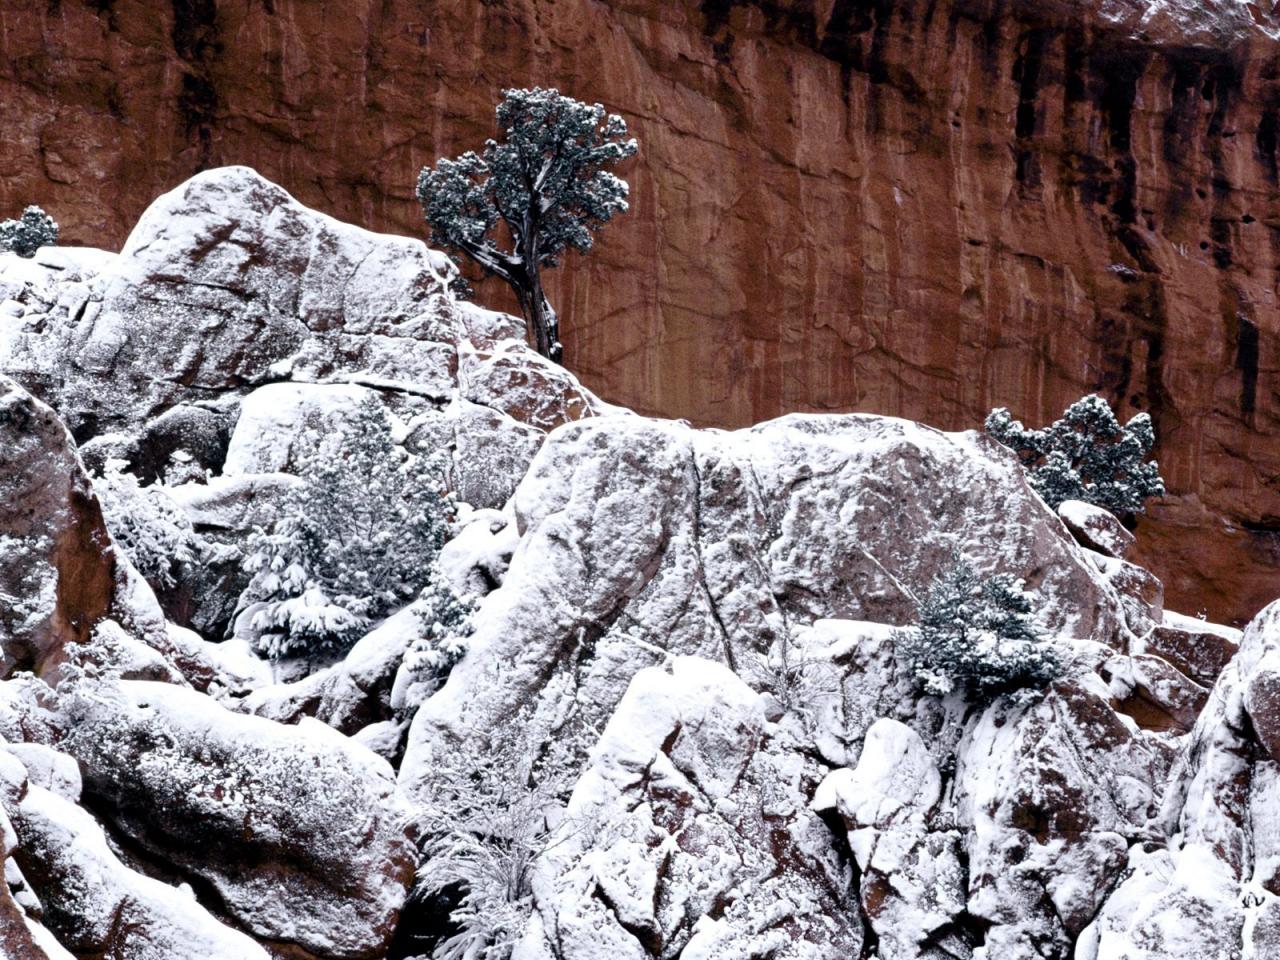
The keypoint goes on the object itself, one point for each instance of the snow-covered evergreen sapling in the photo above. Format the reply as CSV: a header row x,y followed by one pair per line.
x,y
544,181
1087,455
35,229
358,538
976,635
444,617
146,524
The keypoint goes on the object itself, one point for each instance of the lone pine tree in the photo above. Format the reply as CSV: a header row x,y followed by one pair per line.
x,y
544,181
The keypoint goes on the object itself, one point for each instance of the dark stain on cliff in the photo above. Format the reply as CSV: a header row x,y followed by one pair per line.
x,y
1118,72
1265,142
195,40
1027,68
1247,362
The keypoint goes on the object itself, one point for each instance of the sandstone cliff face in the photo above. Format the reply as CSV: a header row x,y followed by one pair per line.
x,y
915,208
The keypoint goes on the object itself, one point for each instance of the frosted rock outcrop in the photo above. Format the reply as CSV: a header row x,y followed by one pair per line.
x,y
66,584
689,835
1096,528
227,284
642,538
56,560
92,902
297,829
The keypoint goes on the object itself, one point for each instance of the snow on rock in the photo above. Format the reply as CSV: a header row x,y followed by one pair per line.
x,y
227,276
297,829
869,509
912,875
351,694
1141,593
276,420
48,769
1198,648
1259,661
22,936
233,503
1211,24
641,538
92,903
851,679
56,561
490,450
1171,905
227,284
689,835
1051,796
56,284
476,558
224,512
895,780
1212,888
1153,693
186,441
526,387
1095,528
69,592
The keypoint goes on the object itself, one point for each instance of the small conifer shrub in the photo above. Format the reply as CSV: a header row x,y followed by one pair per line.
x,y
1087,455
35,229
358,538
975,635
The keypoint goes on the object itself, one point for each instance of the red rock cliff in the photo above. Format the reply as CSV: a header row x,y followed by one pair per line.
x,y
923,207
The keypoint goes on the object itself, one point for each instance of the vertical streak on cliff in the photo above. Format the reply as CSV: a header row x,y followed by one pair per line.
x,y
1247,363
195,41
1026,73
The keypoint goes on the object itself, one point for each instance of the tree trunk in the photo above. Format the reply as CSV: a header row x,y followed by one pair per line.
x,y
541,324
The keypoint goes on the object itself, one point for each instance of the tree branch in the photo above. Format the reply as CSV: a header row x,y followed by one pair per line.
x,y
491,259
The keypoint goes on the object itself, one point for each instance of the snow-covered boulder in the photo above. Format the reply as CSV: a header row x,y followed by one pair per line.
x,y
56,560
476,559
296,828
1051,796
1198,648
526,387
490,451
38,293
1141,593
352,693
186,441
277,420
224,511
227,276
1096,528
1172,904
1208,885
228,283
689,835
1259,660
93,903
62,577
642,537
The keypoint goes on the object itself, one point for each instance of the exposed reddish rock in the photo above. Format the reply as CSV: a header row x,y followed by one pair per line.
x,y
55,553
923,209
1200,650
